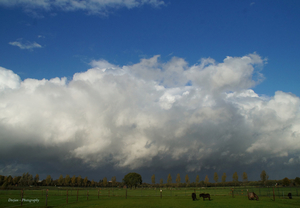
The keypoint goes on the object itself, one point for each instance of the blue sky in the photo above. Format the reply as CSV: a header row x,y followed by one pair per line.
x,y
119,42
193,30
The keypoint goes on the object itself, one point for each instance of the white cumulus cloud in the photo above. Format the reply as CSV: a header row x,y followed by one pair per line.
x,y
146,115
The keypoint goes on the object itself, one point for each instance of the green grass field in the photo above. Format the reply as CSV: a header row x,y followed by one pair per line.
x,y
220,197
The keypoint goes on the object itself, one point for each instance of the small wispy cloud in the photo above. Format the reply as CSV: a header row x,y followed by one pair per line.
x,y
91,6
25,45
252,3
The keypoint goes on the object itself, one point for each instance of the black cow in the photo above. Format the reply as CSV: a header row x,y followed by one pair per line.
x,y
290,195
204,196
194,196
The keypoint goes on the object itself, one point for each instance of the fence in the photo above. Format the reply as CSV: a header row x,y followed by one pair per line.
x,y
57,196
268,191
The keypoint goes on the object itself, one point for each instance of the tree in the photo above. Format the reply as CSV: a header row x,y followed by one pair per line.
x,y
169,180
297,180
216,177
161,182
178,179
263,176
9,180
85,181
48,180
15,180
36,179
235,178
245,177
104,181
187,180
26,179
206,180
5,184
92,183
79,180
132,179
29,179
73,180
60,180
224,176
67,180
197,180
153,179
113,181
286,181
22,180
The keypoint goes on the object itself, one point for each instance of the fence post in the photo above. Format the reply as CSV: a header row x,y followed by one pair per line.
x,y
273,194
232,192
87,195
21,197
126,194
67,196
160,193
46,197
98,193
108,193
77,196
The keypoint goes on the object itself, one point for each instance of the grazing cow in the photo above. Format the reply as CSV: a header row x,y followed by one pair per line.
x,y
290,195
194,196
252,196
204,196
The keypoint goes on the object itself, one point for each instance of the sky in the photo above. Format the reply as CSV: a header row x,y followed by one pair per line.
x,y
102,88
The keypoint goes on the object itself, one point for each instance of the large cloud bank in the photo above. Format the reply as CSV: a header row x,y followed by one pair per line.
x,y
150,114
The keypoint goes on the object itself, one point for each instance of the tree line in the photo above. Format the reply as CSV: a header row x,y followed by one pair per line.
x,y
235,181
135,179
28,180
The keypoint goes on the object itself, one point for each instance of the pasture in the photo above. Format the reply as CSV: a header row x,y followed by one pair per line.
x,y
146,197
